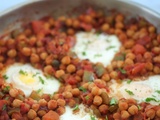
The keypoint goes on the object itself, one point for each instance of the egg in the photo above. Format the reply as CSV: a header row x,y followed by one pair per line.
x,y
146,90
80,115
27,78
96,47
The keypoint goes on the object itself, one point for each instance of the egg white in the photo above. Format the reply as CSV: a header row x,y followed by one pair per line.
x,y
80,115
28,78
96,47
141,90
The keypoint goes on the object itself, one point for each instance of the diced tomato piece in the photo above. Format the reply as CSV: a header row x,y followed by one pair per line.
x,y
135,69
2,104
71,80
86,27
144,40
37,26
138,49
24,108
51,115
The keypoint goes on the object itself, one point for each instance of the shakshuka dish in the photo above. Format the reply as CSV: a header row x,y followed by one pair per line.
x,y
89,67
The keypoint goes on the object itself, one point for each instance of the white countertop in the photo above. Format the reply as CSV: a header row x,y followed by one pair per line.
x,y
152,4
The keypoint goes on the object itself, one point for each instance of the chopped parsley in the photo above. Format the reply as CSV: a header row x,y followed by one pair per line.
x,y
4,107
76,107
83,53
108,40
110,47
6,98
92,117
139,107
129,81
7,88
41,80
151,99
23,72
129,92
158,91
87,97
82,89
35,74
106,117
39,90
122,71
98,33
120,57
98,55
5,77
113,101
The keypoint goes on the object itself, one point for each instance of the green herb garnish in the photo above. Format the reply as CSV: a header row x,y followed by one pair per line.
x,y
110,47
113,101
39,90
129,81
4,107
139,107
122,71
129,92
92,117
150,99
35,74
82,89
76,107
83,53
23,72
158,91
41,80
7,88
5,77
106,117
97,55
87,97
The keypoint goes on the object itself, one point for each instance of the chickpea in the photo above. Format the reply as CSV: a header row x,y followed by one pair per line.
x,y
156,69
60,110
12,53
103,109
71,103
42,102
49,59
37,118
76,24
67,95
13,92
128,61
123,105
96,91
97,100
150,113
149,66
68,22
105,27
119,25
59,73
125,114
119,18
61,102
35,107
158,112
70,31
151,29
75,92
133,110
52,104
130,56
113,74
106,77
26,51
48,69
43,55
41,113
16,103
34,58
117,116
31,114
66,60
71,68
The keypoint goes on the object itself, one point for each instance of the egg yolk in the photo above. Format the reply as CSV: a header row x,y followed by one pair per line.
x,y
27,79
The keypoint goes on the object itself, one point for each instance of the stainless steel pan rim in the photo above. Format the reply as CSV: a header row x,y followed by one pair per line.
x,y
26,11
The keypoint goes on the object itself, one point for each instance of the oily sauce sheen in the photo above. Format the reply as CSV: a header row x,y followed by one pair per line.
x,y
93,66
